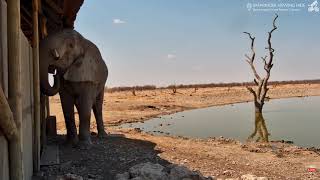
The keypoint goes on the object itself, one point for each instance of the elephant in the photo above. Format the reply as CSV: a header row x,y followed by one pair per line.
x,y
80,77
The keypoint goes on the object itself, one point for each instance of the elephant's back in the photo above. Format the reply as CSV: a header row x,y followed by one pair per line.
x,y
93,52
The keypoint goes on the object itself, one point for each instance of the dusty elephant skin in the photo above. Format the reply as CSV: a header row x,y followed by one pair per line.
x,y
80,80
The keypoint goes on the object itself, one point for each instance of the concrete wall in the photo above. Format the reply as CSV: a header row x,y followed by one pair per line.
x,y
27,99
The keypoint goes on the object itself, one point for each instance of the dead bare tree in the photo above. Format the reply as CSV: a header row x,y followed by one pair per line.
x,y
174,89
261,83
195,89
228,89
133,90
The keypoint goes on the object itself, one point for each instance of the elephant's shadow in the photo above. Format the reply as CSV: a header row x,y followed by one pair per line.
x,y
106,158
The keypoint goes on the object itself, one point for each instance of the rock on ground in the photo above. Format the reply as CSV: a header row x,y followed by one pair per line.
x,y
148,171
69,177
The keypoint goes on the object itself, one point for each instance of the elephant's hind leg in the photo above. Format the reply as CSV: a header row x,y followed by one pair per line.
x,y
97,110
67,102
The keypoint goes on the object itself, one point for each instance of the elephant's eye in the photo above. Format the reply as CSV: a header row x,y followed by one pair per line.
x,y
71,45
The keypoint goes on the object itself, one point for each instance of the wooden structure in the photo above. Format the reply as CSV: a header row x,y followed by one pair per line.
x,y
22,107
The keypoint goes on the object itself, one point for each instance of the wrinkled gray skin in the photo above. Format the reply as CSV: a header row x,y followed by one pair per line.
x,y
80,80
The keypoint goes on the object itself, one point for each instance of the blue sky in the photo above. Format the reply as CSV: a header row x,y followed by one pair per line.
x,y
164,42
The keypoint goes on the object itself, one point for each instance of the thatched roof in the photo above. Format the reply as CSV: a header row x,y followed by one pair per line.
x,y
59,14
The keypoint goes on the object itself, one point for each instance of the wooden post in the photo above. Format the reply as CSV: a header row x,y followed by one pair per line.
x,y
51,126
15,99
43,120
47,106
44,101
43,25
36,88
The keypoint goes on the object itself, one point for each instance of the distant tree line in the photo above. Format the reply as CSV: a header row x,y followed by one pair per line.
x,y
131,88
209,85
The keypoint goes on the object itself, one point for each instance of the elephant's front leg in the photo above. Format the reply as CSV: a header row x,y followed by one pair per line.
x,y
67,102
84,105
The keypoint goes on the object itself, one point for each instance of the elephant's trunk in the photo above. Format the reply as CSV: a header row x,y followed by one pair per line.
x,y
47,89
44,68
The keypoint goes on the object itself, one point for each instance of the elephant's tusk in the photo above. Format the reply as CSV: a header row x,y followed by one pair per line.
x,y
56,54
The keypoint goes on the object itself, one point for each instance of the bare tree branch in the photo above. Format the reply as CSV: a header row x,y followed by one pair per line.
x,y
264,59
253,92
265,66
251,59
271,50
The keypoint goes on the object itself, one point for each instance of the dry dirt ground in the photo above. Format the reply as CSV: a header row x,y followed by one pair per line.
x,y
222,158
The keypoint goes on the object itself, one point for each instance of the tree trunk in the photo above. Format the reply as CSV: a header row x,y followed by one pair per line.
x,y
258,107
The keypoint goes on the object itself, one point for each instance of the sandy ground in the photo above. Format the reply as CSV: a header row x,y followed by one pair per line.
x,y
215,157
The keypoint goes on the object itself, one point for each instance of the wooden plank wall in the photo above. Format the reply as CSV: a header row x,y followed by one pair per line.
x,y
4,161
27,106
3,45
27,98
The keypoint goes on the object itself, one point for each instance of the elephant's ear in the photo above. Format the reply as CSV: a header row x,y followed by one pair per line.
x,y
83,69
